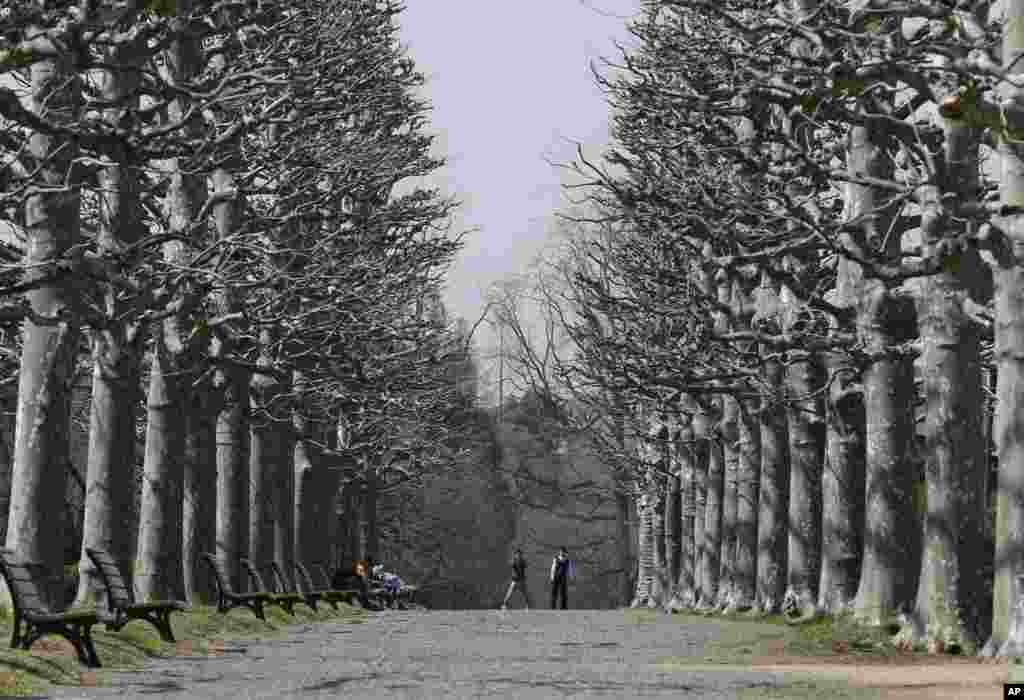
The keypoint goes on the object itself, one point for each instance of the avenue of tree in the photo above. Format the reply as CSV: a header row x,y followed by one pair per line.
x,y
789,312
206,204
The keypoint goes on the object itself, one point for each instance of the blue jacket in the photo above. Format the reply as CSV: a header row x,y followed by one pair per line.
x,y
564,568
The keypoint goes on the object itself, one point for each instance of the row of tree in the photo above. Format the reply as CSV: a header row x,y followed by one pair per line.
x,y
793,297
209,203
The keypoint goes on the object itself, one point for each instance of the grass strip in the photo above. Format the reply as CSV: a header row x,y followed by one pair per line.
x,y
200,631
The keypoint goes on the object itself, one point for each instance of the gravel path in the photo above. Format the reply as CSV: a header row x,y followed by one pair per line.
x,y
449,654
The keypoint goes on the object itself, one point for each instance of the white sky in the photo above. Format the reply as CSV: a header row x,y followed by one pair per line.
x,y
511,85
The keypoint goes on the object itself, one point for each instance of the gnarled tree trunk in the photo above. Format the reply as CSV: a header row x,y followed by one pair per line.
x,y
748,473
233,418
886,582
711,556
108,520
1008,428
842,487
199,514
685,595
39,473
645,550
806,454
672,530
701,453
946,614
773,494
265,458
158,559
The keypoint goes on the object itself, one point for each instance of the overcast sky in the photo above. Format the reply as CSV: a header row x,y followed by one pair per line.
x,y
511,85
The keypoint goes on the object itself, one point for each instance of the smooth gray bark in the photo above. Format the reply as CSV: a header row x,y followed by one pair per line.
x,y
38,477
1007,637
729,431
109,510
747,497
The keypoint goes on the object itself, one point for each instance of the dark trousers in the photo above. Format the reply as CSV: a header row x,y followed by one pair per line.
x,y
560,585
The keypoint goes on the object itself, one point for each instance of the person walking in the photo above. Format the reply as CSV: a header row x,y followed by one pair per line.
x,y
562,570
518,580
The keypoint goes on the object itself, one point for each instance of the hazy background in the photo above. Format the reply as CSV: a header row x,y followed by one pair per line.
x,y
512,89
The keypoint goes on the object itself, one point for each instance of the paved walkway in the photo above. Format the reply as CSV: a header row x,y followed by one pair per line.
x,y
448,654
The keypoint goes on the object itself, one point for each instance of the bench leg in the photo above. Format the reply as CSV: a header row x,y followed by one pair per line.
x,y
29,636
161,619
89,657
257,608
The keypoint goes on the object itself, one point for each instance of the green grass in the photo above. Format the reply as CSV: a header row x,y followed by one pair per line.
x,y
199,631
742,640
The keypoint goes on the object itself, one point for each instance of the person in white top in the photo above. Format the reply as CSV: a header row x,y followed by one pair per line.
x,y
563,569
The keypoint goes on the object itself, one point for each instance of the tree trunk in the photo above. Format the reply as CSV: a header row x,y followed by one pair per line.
x,y
658,580
946,613
39,474
748,473
158,561
892,529
265,458
233,419
773,496
806,456
624,535
199,516
730,505
233,475
306,456
886,582
109,509
684,596
368,531
711,558
8,410
1008,428
645,547
1007,638
673,522
842,487
108,518
284,484
701,455
328,480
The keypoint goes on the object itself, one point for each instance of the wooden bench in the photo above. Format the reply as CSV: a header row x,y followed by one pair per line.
x,y
373,594
333,596
38,618
285,601
227,598
121,599
286,585
407,595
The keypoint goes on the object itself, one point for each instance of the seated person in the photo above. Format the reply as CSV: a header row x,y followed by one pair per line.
x,y
392,583
353,577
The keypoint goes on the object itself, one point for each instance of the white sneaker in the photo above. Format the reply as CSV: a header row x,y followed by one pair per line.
x,y
504,608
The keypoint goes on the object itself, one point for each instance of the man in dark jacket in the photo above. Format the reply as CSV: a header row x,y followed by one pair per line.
x,y
518,580
562,570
